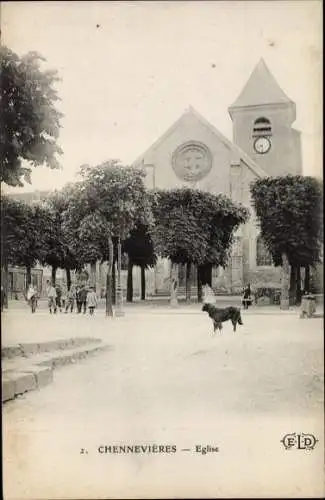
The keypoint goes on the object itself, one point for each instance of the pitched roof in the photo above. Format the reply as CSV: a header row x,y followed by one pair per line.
x,y
261,88
238,152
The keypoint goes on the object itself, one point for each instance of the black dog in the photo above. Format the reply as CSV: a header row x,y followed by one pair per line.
x,y
218,316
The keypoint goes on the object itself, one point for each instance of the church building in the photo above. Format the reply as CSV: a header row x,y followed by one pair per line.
x,y
193,153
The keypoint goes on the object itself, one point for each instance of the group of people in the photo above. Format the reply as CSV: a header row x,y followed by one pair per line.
x,y
62,299
59,298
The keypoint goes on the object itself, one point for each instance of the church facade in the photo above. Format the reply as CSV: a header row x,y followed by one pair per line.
x,y
193,153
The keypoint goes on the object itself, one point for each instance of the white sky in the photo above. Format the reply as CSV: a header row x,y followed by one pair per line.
x,y
125,82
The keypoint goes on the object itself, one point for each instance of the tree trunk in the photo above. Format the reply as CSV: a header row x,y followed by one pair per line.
x,y
208,275
293,285
54,269
285,278
129,290
188,283
199,285
143,283
28,276
119,290
205,272
298,287
93,274
68,274
6,284
201,276
307,279
114,282
109,309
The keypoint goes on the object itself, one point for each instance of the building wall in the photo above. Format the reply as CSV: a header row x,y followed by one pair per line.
x,y
189,129
297,151
39,275
229,176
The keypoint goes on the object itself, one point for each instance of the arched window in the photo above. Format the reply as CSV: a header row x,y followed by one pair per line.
x,y
262,126
263,256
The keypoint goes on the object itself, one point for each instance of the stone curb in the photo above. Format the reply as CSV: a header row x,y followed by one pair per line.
x,y
31,348
252,312
69,357
18,382
24,376
184,311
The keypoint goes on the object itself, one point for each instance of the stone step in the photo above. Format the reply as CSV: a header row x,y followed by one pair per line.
x,y
21,374
15,383
32,348
166,293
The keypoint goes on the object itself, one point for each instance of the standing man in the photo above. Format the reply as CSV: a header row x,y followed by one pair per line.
x,y
247,296
51,295
78,299
83,298
58,297
2,298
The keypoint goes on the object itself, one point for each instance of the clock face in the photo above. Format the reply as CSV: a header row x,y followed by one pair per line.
x,y
262,145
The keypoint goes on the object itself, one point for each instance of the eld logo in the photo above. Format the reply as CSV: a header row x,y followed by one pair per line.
x,y
299,441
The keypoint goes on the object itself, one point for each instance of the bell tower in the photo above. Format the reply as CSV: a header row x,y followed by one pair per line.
x,y
262,117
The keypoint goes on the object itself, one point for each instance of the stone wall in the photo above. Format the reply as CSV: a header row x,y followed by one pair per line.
x,y
265,277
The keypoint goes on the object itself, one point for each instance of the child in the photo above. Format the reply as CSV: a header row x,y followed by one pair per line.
x,y
51,295
91,301
71,295
32,297
64,297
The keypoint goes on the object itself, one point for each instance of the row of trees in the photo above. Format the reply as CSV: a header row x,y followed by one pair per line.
x,y
109,207
85,221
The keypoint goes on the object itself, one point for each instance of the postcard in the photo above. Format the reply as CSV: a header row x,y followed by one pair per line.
x,y
162,252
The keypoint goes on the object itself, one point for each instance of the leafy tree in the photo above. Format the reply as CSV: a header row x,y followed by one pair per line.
x,y
195,228
60,253
24,234
140,250
108,201
289,209
30,121
86,245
